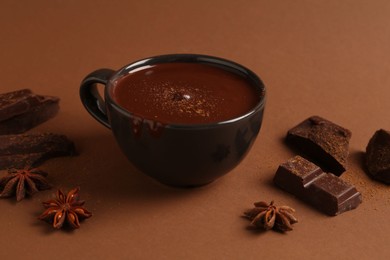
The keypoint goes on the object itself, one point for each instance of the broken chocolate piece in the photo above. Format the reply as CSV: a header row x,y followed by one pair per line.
x,y
377,157
323,142
16,103
28,150
327,192
22,110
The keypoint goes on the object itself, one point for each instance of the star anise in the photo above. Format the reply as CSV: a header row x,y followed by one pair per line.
x,y
20,182
65,209
268,216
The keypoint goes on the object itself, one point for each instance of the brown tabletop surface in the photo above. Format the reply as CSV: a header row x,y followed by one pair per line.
x,y
329,58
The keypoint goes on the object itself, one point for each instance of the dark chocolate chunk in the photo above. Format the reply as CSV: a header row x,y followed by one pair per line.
x,y
22,110
327,192
16,103
377,156
323,142
23,150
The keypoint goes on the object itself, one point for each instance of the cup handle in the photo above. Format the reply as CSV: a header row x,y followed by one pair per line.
x,y
90,96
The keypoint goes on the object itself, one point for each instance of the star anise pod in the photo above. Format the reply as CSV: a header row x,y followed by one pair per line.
x,y
65,209
20,182
268,216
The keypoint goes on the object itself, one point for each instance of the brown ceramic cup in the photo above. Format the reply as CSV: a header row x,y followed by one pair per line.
x,y
183,155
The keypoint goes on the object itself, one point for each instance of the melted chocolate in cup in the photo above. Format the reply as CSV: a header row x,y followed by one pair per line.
x,y
184,93
183,119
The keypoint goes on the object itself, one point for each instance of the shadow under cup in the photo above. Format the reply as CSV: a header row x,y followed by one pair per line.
x,y
184,155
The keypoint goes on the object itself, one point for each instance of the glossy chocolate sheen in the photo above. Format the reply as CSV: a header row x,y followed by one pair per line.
x,y
326,192
185,93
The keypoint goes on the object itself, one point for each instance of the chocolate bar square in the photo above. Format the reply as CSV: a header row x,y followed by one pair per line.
x,y
327,192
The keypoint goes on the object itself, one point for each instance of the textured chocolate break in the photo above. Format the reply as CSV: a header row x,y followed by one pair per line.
x,y
23,150
22,110
327,192
377,157
323,142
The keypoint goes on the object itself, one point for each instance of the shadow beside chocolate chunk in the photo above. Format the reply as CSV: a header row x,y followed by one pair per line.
x,y
377,157
323,142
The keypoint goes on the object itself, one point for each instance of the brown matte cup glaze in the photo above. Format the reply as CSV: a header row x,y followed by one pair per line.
x,y
182,119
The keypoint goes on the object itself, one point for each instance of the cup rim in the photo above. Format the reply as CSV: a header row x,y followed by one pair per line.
x,y
190,58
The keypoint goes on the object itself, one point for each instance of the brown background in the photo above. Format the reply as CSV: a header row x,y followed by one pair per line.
x,y
328,57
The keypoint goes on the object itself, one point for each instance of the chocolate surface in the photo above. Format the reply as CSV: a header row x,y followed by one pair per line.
x,y
323,142
185,93
377,157
22,110
326,192
19,151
